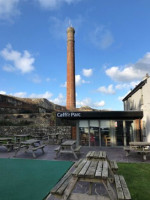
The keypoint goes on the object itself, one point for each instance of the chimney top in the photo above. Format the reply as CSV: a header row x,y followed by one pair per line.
x,y
70,29
146,76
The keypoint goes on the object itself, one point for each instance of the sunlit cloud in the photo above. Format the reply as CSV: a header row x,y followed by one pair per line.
x,y
89,102
106,90
8,9
130,72
87,72
60,100
46,95
22,62
79,81
2,92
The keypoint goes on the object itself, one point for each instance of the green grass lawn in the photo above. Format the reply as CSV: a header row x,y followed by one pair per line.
x,y
23,179
137,176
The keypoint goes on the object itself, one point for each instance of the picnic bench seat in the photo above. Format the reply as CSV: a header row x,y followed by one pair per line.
x,y
36,148
9,146
77,149
22,146
57,149
122,188
39,147
113,166
144,152
77,163
96,155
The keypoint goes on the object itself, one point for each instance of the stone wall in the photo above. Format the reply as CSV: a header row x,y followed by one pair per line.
x,y
65,131
33,119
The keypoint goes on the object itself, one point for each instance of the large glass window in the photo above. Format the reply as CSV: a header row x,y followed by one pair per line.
x,y
119,132
94,133
84,133
105,133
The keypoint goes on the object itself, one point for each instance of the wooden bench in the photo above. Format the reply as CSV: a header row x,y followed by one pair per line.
x,y
144,152
36,148
113,166
96,155
77,149
122,188
127,150
8,146
57,149
65,186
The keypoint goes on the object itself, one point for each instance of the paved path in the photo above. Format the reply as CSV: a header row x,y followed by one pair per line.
x,y
114,153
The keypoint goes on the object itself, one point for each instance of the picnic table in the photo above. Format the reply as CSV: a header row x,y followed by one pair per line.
x,y
21,137
139,147
7,142
54,138
68,147
94,170
30,145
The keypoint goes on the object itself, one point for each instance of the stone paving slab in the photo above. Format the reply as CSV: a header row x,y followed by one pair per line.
x,y
113,153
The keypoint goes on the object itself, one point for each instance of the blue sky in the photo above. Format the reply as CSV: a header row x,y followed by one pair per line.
x,y
112,49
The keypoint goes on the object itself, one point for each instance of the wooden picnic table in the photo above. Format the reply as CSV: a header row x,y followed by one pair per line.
x,y
139,144
96,155
21,137
30,145
92,170
68,147
7,142
139,147
54,138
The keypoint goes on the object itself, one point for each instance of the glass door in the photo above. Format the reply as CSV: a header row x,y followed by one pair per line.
x,y
129,132
94,133
119,133
105,133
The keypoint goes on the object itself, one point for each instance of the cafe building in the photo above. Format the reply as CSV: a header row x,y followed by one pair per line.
x,y
105,128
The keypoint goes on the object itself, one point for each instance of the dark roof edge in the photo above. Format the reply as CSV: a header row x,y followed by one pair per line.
x,y
139,86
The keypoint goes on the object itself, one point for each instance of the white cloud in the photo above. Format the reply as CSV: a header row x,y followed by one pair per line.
x,y
130,72
60,100
99,104
101,37
90,103
22,62
54,4
2,92
36,79
106,90
46,95
59,27
127,85
79,80
8,8
8,68
20,94
87,72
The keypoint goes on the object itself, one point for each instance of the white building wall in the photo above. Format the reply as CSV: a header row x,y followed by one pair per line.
x,y
140,100
146,109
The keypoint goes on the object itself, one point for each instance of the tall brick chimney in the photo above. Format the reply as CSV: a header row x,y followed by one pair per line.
x,y
71,98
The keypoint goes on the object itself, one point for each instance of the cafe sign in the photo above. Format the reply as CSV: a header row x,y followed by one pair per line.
x,y
68,115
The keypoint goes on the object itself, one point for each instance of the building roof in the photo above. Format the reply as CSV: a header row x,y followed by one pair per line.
x,y
139,86
117,115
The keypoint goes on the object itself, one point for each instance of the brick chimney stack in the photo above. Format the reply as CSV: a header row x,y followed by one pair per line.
x,y
71,98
